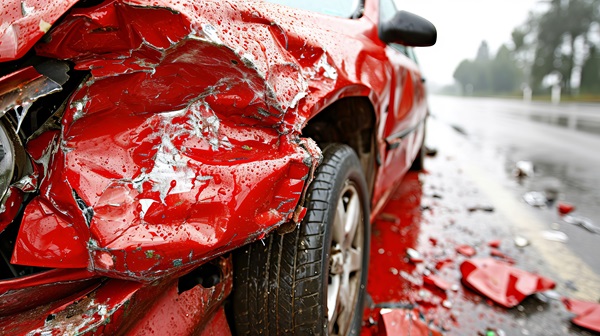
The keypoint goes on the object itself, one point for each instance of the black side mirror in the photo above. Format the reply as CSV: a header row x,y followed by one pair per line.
x,y
408,29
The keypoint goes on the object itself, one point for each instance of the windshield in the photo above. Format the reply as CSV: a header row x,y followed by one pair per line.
x,y
341,8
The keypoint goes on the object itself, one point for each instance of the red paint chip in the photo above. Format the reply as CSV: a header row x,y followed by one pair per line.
x,y
588,313
500,282
466,250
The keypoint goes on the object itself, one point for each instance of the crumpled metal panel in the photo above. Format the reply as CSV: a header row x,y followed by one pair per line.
x,y
184,142
119,307
24,22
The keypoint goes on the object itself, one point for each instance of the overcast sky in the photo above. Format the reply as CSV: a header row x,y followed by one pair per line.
x,y
462,25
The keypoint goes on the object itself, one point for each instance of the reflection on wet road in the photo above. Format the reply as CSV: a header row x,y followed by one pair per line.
x,y
503,132
469,196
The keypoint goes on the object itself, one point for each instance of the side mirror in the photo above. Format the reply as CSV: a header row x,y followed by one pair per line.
x,y
408,29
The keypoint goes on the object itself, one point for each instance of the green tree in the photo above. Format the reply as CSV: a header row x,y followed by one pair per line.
x,y
505,75
590,73
558,31
465,75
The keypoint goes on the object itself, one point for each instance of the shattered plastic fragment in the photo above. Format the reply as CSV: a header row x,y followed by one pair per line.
x,y
535,199
403,322
588,313
521,241
466,250
494,252
500,282
584,222
436,281
494,243
565,208
554,235
414,255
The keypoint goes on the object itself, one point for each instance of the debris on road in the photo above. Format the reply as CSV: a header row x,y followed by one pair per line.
x,y
481,207
521,241
430,151
414,255
555,235
492,332
466,250
494,252
584,222
502,283
403,322
587,313
535,199
523,169
434,280
565,208
494,243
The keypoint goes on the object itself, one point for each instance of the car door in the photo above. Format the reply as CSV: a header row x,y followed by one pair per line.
x,y
401,127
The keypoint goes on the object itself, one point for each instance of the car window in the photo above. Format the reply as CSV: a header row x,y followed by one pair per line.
x,y
341,8
387,9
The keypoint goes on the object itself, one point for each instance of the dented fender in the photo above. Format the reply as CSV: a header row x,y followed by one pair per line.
x,y
180,145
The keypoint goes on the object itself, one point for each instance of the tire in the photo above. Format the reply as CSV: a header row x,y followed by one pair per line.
x,y
285,284
419,162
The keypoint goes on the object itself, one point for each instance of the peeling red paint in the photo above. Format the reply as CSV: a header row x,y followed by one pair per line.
x,y
588,313
499,281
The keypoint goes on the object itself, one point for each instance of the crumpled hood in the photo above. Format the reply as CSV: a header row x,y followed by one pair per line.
x,y
184,142
24,22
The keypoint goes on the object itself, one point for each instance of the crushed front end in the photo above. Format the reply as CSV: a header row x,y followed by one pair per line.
x,y
140,144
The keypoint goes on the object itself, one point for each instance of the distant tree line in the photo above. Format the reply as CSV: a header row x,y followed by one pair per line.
x,y
486,74
558,45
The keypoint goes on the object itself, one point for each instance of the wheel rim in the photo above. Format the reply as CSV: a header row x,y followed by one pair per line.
x,y
345,261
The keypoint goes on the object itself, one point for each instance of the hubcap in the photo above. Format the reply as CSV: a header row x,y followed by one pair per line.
x,y
345,261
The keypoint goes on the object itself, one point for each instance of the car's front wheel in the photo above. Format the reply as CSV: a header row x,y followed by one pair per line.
x,y
311,281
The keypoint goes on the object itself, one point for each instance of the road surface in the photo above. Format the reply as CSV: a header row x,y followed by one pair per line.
x,y
478,143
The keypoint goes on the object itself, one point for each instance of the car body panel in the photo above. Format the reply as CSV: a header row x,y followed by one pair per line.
x,y
24,22
185,142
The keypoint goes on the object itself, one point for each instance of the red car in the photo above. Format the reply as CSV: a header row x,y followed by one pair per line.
x,y
199,166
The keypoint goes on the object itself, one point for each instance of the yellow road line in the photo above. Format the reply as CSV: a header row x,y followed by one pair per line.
x,y
557,256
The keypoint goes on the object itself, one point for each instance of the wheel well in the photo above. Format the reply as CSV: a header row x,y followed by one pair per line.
x,y
349,121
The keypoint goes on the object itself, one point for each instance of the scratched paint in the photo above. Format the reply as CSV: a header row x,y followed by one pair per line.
x,y
183,143
171,173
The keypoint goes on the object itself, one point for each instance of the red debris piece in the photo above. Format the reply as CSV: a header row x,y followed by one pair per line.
x,y
433,241
434,280
565,208
403,322
500,282
494,243
588,313
499,254
466,250
442,263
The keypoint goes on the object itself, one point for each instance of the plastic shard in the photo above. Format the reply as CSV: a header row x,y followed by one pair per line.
x,y
565,208
403,322
502,283
588,313
466,250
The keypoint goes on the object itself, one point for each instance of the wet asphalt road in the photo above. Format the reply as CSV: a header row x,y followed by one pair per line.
x,y
478,142
562,142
